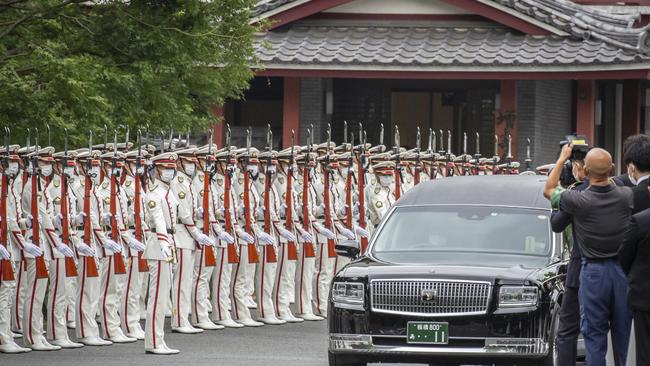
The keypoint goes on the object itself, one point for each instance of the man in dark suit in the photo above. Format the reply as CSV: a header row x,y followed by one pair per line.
x,y
637,160
634,256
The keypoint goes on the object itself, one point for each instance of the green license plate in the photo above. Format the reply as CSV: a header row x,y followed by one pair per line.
x,y
427,333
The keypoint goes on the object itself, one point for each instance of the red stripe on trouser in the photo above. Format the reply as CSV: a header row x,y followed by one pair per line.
x,y
261,294
279,282
56,288
234,286
155,304
21,268
31,305
223,253
320,268
126,297
178,293
108,280
81,298
302,273
196,288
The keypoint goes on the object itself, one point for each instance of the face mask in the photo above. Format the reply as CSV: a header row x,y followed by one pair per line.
x,y
139,170
344,173
167,175
385,180
69,171
12,169
632,173
253,171
94,174
190,169
46,170
312,173
272,170
118,172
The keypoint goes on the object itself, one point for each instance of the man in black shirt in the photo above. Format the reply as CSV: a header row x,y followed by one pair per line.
x,y
637,160
600,215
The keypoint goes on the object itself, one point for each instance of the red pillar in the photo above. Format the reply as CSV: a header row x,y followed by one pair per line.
x,y
586,108
217,128
631,108
290,110
508,95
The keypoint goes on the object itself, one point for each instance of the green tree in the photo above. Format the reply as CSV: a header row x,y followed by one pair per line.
x,y
81,64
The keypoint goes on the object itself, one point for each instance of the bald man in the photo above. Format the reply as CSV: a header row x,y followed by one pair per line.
x,y
601,214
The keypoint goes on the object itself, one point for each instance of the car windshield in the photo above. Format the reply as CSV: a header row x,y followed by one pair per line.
x,y
465,235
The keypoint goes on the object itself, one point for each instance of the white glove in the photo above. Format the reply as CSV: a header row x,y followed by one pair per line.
x,y
355,209
86,250
65,250
205,240
136,245
58,221
29,221
33,250
361,231
347,233
199,212
328,233
106,218
112,246
343,210
286,234
224,236
307,237
245,237
283,210
266,239
166,251
4,253
79,219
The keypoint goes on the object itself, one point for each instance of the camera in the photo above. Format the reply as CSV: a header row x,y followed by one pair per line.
x,y
579,151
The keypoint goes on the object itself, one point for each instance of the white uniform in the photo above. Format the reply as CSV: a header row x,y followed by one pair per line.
x,y
17,298
161,206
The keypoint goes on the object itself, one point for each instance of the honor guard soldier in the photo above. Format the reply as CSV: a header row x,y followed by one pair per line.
x,y
62,268
11,244
381,195
224,201
307,200
161,208
114,219
186,239
134,187
37,205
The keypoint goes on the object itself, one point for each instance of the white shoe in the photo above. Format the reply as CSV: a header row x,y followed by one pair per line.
x,y
16,335
311,317
161,351
121,338
12,347
229,323
250,323
66,343
43,345
95,341
271,320
188,329
250,303
289,318
71,325
208,325
137,334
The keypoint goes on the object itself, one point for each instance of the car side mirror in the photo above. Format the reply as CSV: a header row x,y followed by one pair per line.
x,y
348,248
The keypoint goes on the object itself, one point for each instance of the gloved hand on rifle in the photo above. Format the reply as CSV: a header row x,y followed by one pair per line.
x,y
79,219
306,236
286,234
33,250
85,250
324,231
4,253
265,238
245,237
106,218
58,221
346,232
112,246
166,251
225,237
64,249
361,231
204,240
136,245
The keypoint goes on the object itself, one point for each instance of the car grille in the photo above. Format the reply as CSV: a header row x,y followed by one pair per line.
x,y
450,297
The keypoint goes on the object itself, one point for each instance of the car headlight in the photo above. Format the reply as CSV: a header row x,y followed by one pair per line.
x,y
518,296
348,295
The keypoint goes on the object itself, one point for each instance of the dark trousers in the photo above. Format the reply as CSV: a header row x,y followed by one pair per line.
x,y
603,305
566,341
642,335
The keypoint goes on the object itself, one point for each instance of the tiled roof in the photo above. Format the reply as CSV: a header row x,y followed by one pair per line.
x,y
263,6
431,48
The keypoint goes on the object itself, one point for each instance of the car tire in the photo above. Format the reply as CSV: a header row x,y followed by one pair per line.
x,y
344,360
551,358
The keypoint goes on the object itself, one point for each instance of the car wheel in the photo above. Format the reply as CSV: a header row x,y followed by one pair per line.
x,y
551,358
344,360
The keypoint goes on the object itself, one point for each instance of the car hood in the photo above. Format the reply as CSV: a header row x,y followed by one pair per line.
x,y
375,270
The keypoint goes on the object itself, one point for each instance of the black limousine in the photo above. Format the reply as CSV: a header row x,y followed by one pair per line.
x,y
462,270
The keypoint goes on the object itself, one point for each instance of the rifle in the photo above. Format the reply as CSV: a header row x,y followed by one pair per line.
x,y
418,168
432,149
310,252
362,185
348,186
464,162
139,183
495,158
398,167
331,252
6,270
41,269
528,160
90,264
450,164
120,268
253,256
233,254
477,156
70,265
26,159
292,249
48,179
206,250
269,250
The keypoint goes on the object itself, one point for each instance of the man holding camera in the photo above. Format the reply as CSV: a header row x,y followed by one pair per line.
x,y
600,212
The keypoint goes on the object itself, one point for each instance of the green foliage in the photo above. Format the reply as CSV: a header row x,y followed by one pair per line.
x,y
81,64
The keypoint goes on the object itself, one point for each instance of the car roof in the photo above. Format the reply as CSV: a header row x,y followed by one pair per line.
x,y
489,190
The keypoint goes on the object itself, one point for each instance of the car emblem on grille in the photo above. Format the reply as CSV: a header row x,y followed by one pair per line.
x,y
429,295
